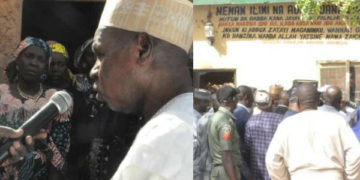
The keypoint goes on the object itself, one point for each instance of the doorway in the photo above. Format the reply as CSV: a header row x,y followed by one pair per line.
x,y
70,23
213,77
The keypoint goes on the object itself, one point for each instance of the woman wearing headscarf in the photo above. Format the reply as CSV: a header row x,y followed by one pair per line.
x,y
112,132
59,76
84,60
21,99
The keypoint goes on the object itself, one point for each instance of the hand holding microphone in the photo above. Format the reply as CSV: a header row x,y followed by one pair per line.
x,y
18,150
11,150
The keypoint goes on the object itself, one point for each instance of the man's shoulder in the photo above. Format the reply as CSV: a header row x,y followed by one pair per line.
x,y
178,109
328,108
271,114
205,118
322,112
220,119
266,115
171,120
239,109
316,115
289,113
276,116
281,108
173,115
219,115
322,108
164,129
241,112
162,142
255,118
331,115
258,119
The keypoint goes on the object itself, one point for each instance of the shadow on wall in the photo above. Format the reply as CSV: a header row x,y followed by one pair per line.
x,y
199,35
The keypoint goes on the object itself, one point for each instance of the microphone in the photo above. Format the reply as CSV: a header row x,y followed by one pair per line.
x,y
59,103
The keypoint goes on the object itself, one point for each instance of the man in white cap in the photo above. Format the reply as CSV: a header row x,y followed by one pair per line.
x,y
259,131
201,106
202,99
203,162
141,48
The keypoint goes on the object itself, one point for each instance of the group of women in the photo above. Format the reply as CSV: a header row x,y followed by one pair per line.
x,y
88,141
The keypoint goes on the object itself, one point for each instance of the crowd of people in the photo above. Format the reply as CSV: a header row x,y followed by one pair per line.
x,y
87,142
248,134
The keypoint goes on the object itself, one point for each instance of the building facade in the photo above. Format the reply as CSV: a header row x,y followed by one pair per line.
x,y
265,42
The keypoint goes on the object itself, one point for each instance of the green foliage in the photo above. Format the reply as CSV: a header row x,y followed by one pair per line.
x,y
349,9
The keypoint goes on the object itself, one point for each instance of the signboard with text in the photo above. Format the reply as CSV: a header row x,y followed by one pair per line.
x,y
281,23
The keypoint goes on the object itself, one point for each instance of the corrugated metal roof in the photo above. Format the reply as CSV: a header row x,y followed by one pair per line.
x,y
217,2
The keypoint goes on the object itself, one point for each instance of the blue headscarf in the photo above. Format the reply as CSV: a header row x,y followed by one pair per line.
x,y
11,70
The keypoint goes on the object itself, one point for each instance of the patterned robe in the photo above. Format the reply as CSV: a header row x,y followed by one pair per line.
x,y
51,151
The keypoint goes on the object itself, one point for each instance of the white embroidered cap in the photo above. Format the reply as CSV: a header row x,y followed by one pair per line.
x,y
262,99
169,20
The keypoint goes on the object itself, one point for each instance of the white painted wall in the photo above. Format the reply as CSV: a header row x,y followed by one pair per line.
x,y
261,64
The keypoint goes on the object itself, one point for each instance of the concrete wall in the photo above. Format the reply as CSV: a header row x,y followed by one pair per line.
x,y
262,62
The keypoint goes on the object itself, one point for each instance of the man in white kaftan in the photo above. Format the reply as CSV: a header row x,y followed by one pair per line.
x,y
313,144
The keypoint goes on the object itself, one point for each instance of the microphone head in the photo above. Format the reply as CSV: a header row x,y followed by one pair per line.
x,y
62,101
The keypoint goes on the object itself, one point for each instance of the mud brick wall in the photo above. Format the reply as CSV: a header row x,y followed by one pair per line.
x,y
10,31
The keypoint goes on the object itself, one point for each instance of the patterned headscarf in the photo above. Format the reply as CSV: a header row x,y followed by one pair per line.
x,y
79,52
59,48
11,70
